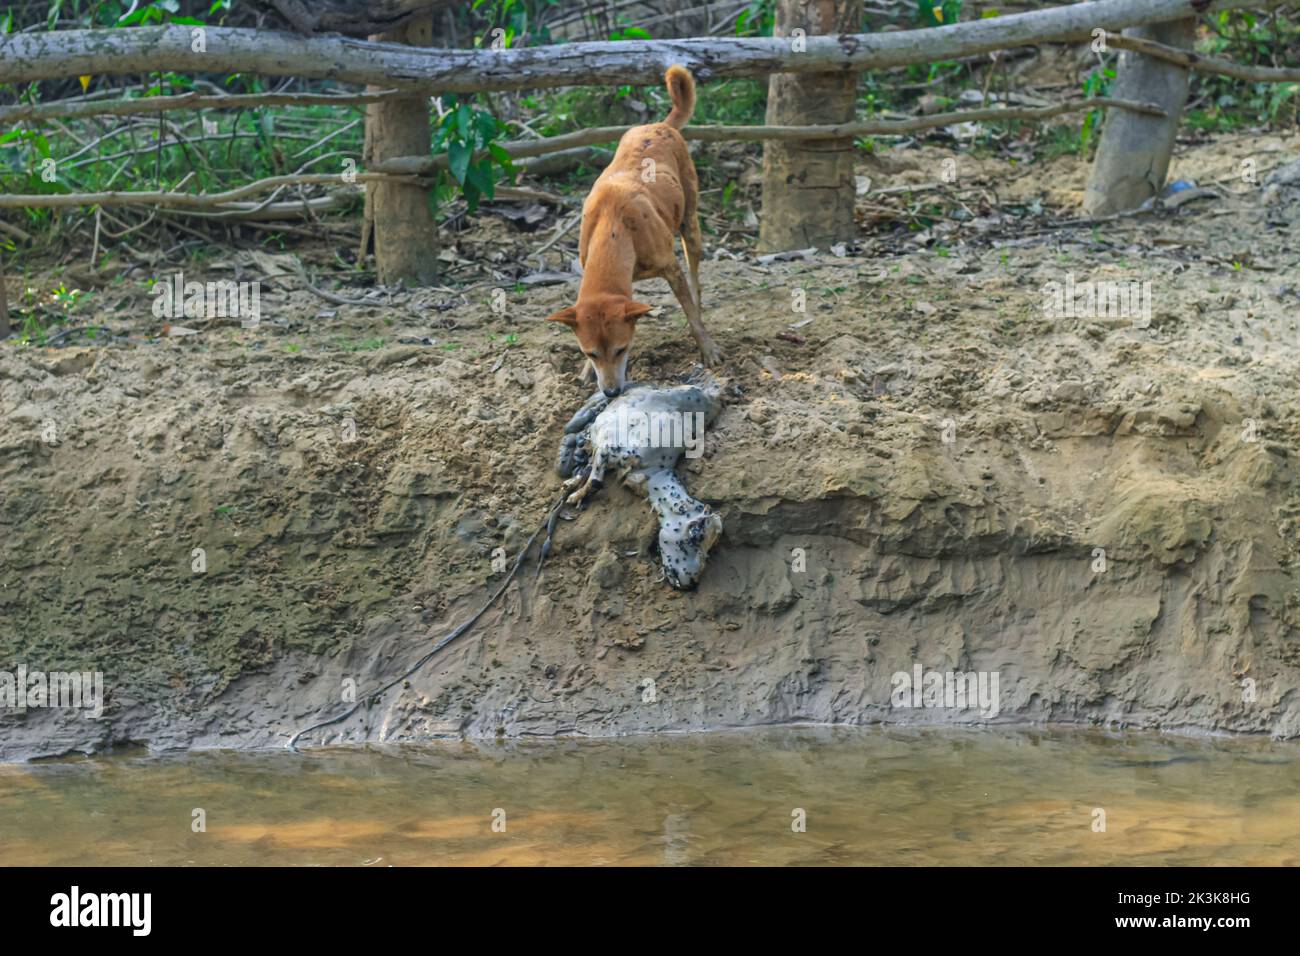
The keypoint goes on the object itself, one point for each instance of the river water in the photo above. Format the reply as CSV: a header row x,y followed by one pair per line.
x,y
770,796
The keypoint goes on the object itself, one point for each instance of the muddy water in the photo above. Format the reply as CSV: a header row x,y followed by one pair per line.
x,y
869,796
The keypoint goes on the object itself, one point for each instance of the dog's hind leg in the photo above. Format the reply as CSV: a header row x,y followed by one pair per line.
x,y
677,280
692,249
692,242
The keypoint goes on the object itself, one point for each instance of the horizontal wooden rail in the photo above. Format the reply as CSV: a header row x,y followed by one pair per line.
x,y
228,204
144,105
1203,64
525,148
27,57
176,200
402,168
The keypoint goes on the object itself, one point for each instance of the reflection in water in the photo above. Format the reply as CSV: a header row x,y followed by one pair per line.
x,y
967,797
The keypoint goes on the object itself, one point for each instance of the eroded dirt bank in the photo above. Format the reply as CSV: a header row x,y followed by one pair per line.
x,y
947,455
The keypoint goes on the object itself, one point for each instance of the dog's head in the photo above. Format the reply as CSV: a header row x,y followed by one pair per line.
x,y
604,326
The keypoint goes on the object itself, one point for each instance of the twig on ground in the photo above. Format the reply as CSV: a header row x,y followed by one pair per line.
x,y
559,234
64,333
15,231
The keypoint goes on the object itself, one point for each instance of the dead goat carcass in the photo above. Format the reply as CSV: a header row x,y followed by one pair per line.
x,y
640,436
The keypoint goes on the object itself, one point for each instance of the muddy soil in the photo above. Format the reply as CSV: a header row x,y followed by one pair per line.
x,y
923,467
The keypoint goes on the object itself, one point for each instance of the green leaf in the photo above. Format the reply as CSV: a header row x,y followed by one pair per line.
x,y
498,152
485,125
479,178
471,196
459,155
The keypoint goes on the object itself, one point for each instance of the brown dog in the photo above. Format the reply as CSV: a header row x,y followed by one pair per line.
x,y
648,194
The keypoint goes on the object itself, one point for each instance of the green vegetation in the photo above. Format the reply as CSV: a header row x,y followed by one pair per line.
x,y
219,149
469,138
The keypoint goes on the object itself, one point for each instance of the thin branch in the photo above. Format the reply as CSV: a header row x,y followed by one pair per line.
x,y
521,149
184,201
270,212
523,194
1202,64
15,231
327,137
227,203
79,109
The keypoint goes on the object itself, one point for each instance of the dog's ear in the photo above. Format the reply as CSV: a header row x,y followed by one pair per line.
x,y
634,310
568,316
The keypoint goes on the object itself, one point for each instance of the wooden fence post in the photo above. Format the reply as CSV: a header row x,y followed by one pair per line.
x,y
808,190
405,234
1134,151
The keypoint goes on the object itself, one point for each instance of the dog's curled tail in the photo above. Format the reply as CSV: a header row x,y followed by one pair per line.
x,y
681,89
